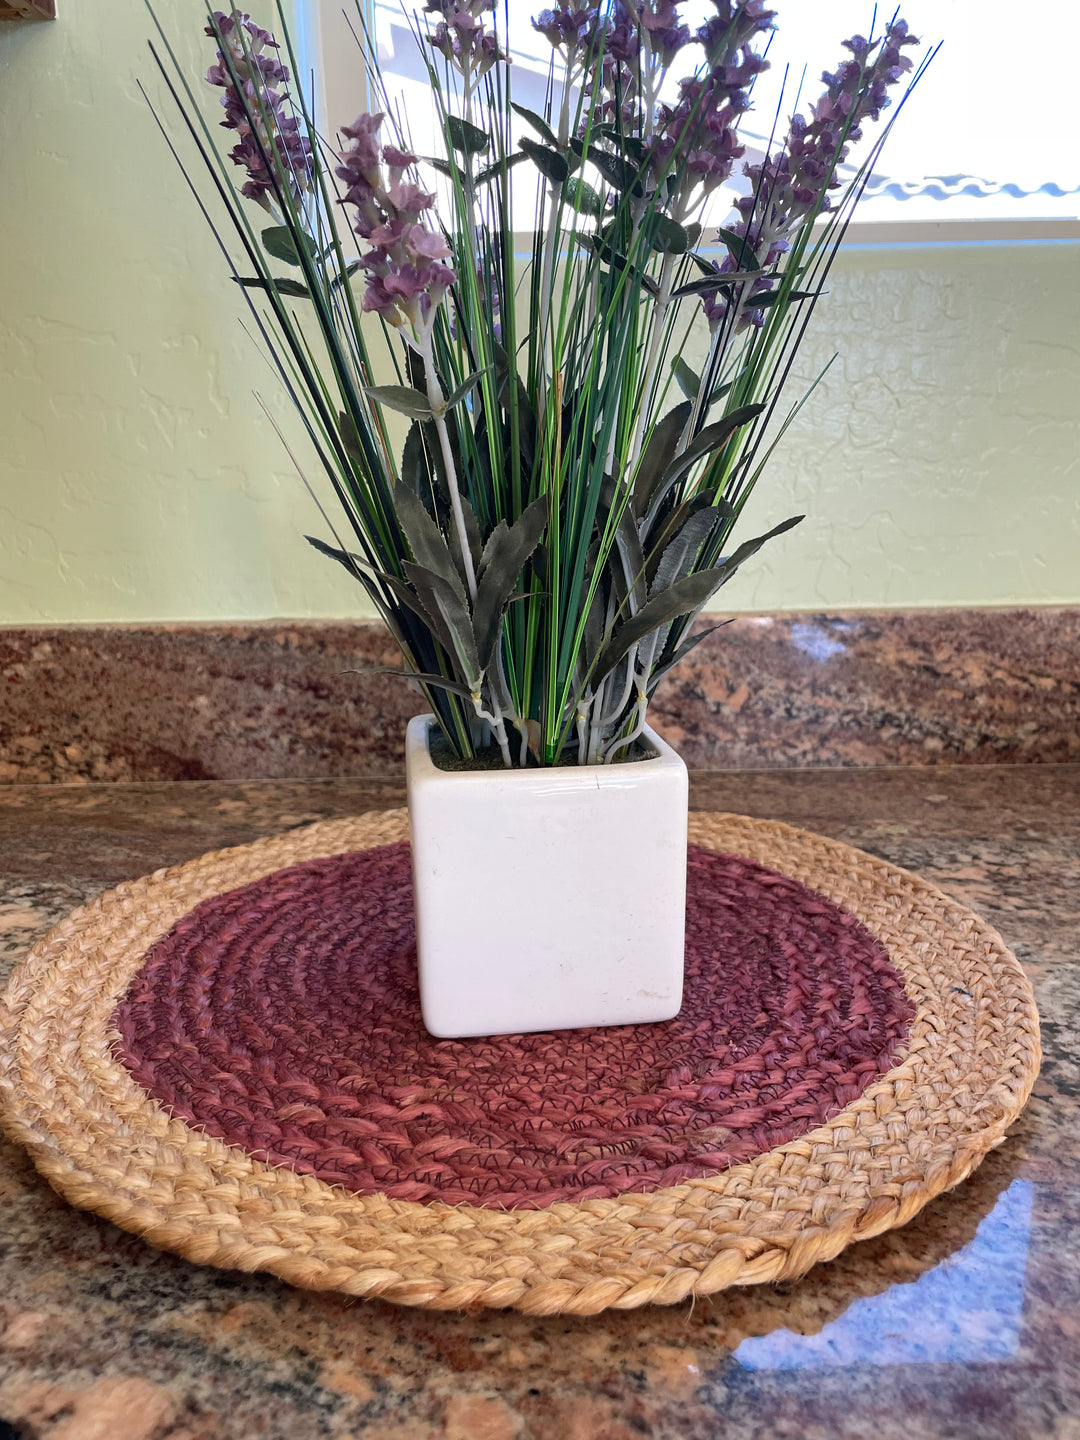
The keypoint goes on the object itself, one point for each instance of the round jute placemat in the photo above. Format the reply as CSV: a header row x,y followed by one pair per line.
x,y
311,1169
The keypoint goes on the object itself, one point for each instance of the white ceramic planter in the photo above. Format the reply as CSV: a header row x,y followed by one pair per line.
x,y
547,899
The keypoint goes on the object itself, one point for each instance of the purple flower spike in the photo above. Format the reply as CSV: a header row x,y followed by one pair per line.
x,y
572,27
271,146
406,279
460,36
733,26
792,185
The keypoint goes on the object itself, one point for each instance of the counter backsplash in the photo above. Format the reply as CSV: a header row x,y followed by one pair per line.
x,y
283,699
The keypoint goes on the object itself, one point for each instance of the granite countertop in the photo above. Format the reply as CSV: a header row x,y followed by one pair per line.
x,y
965,1324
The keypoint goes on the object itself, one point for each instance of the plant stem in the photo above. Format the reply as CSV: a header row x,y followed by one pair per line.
x,y
620,743
498,725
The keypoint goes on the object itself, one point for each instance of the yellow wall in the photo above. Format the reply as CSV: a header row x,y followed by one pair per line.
x,y
139,479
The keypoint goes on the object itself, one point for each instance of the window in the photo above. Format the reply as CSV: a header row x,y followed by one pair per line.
x,y
989,136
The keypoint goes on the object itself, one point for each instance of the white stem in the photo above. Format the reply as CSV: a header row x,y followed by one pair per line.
x,y
651,88
582,725
620,743
596,735
466,75
564,110
495,720
437,401
609,717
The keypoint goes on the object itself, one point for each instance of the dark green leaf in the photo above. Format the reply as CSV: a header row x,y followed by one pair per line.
x,y
440,598
505,554
708,440
683,597
350,270
500,167
418,677
680,654
282,243
661,444
581,196
466,385
682,550
401,398
615,170
629,144
704,264
669,237
426,540
352,563
416,471
550,163
350,438
688,381
742,252
726,567
617,262
442,166
433,623
282,286
539,124
770,297
718,280
628,545
465,137
664,530
593,633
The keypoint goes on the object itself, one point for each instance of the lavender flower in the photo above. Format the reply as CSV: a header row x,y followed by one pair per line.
x,y
792,185
406,276
733,27
272,146
461,38
571,27
662,31
697,141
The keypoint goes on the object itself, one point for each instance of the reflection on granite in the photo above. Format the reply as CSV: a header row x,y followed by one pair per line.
x,y
284,699
910,687
962,1325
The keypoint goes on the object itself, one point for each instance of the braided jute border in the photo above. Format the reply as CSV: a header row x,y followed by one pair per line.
x,y
968,1067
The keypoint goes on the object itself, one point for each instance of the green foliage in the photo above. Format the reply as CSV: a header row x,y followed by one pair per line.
x,y
558,516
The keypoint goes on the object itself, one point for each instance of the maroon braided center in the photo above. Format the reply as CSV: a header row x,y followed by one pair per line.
x,y
283,1018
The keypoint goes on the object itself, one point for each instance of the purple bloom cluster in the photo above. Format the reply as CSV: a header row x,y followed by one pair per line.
x,y
661,30
734,26
406,276
269,137
461,37
697,139
694,141
571,27
789,186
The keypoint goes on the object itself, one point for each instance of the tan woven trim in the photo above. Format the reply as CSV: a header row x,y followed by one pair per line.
x,y
971,1059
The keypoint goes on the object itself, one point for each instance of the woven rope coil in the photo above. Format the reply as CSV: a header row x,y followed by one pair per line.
x,y
965,1072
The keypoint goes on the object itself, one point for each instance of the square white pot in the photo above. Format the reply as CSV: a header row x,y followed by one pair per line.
x,y
547,899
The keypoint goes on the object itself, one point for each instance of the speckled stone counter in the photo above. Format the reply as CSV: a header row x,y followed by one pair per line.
x,y
965,1324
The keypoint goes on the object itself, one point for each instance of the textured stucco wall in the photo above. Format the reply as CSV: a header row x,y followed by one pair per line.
x,y
139,479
